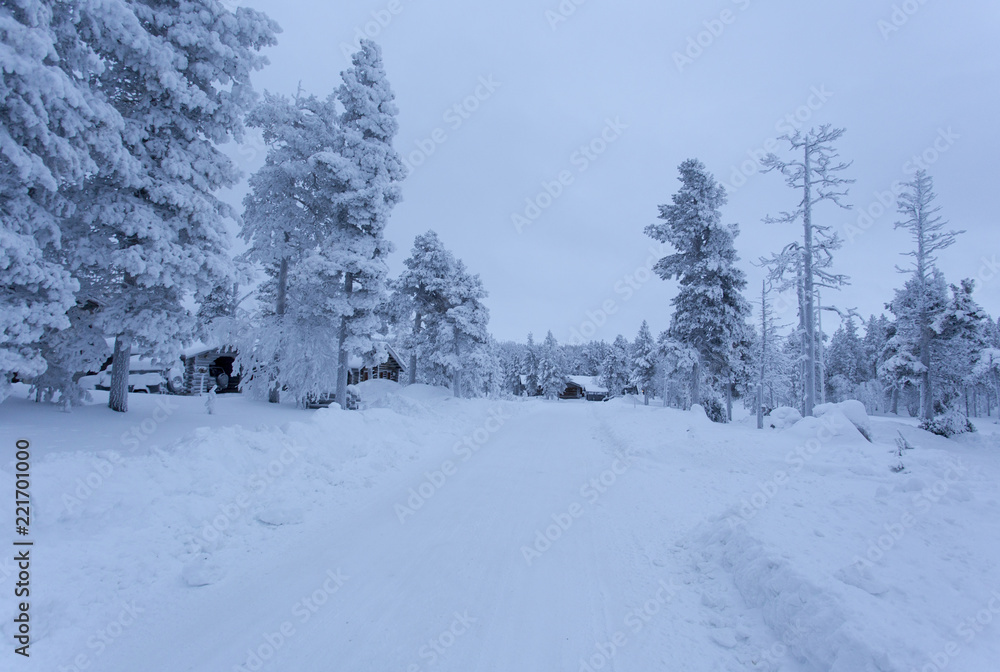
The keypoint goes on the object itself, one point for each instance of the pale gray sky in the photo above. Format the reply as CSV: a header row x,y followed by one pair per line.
x,y
646,85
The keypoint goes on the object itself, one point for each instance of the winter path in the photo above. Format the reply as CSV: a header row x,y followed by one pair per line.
x,y
469,580
560,536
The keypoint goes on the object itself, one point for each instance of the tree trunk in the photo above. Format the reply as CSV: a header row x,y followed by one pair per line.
x,y
413,354
809,289
120,362
456,378
342,369
729,399
894,408
274,395
696,382
926,392
760,406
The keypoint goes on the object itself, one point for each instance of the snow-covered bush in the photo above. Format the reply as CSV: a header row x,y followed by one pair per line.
x,y
783,417
715,409
947,424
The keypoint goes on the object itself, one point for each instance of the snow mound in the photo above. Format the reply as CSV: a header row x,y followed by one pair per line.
x,y
410,400
814,623
853,410
833,424
425,393
782,417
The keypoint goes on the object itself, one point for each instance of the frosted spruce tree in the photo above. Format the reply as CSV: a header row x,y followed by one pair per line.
x,y
644,359
179,75
290,222
552,374
530,364
845,362
710,312
370,171
901,368
815,173
315,219
616,370
424,284
929,236
449,333
57,132
963,332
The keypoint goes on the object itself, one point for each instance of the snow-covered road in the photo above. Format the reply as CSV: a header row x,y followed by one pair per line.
x,y
428,533
537,552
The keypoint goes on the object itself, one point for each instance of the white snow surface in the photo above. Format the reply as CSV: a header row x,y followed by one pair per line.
x,y
424,532
782,417
852,409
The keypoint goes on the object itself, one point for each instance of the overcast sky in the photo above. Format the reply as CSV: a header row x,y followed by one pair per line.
x,y
644,86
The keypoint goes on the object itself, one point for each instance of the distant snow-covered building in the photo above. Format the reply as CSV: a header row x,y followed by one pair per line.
x,y
587,387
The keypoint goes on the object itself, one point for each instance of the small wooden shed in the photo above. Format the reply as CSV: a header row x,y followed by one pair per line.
x,y
212,367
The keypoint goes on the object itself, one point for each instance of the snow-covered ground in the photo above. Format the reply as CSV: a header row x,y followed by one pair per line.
x,y
429,533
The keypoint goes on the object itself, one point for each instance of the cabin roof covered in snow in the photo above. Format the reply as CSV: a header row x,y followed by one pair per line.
x,y
589,383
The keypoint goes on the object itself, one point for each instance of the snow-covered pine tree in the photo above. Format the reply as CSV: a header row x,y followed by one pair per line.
x,y
845,361
771,366
530,364
57,131
710,311
511,363
594,354
423,285
449,334
926,229
901,366
816,176
370,170
289,217
644,359
179,75
487,374
962,333
675,367
616,371
552,374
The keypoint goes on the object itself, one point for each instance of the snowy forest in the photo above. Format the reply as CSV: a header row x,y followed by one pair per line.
x,y
116,244
432,336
